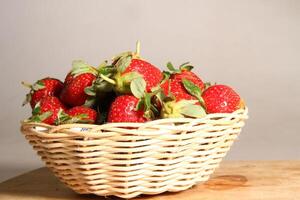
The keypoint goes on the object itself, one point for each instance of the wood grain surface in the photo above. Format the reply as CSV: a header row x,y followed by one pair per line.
x,y
234,180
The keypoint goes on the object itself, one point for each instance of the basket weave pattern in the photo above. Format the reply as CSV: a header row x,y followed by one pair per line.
x,y
129,159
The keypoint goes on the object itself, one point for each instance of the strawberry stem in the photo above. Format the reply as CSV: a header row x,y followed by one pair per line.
x,y
108,79
138,47
26,84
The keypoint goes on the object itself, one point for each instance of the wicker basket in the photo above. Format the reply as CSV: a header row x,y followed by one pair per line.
x,y
129,159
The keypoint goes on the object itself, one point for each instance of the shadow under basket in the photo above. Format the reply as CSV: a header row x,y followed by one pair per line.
x,y
129,159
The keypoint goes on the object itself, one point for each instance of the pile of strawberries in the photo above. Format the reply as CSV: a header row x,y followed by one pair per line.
x,y
127,89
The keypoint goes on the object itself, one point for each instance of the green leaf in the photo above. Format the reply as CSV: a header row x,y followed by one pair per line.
x,y
62,117
128,77
186,66
107,70
81,67
124,54
192,88
160,96
45,115
148,112
123,63
138,87
37,109
166,76
193,111
34,118
147,101
38,85
171,67
139,105
90,91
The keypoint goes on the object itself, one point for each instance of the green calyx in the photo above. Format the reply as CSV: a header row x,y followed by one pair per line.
x,y
183,108
64,118
123,60
138,89
123,81
37,115
120,80
35,87
193,90
81,67
183,67
102,85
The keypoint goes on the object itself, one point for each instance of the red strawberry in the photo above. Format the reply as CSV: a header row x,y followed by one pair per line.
x,y
151,74
184,74
123,109
176,88
130,66
81,77
221,99
47,110
82,114
175,82
183,90
42,88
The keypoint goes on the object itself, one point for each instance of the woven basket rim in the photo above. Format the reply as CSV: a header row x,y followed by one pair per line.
x,y
134,124
155,127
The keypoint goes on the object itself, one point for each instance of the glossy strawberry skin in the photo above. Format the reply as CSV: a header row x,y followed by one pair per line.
x,y
176,85
68,78
52,87
221,99
53,105
189,76
78,110
151,74
73,92
177,90
123,110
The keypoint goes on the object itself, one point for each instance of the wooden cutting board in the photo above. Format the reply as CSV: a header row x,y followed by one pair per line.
x,y
234,180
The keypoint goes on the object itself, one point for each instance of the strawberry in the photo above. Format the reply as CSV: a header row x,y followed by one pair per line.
x,y
78,114
177,99
151,74
81,76
123,109
175,87
42,88
174,84
47,110
129,66
189,76
221,99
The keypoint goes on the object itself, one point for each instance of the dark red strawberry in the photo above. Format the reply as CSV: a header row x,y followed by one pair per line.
x,y
123,109
221,99
81,77
42,88
47,110
130,66
82,114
